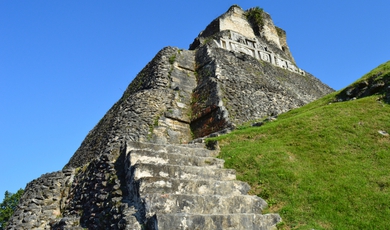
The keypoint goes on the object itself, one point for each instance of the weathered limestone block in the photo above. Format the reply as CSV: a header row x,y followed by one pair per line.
x,y
234,19
269,31
173,126
228,222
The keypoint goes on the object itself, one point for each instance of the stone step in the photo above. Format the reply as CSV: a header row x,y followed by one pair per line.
x,y
183,221
187,149
204,204
191,150
163,185
182,172
159,158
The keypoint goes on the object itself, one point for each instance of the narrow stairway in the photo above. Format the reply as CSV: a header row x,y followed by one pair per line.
x,y
186,187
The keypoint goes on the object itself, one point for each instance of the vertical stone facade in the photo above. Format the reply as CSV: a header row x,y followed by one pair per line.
x,y
236,42
234,19
269,43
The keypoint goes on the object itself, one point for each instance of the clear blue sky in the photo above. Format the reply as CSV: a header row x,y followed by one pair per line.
x,y
63,64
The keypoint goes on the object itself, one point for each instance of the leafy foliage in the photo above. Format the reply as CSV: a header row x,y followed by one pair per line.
x,y
255,17
7,207
172,59
280,31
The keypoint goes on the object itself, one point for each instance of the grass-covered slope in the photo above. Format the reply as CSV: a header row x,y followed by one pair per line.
x,y
322,166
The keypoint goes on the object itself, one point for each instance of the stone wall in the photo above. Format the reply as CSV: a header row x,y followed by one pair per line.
x,y
98,197
253,90
234,88
43,201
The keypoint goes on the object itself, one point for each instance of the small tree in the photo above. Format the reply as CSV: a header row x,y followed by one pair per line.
x,y
7,207
255,18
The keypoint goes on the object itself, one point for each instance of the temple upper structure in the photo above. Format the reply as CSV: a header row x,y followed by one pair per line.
x,y
236,31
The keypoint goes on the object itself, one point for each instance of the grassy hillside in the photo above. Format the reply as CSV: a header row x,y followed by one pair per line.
x,y
322,166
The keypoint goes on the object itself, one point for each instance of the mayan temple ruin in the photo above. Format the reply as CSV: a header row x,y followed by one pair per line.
x,y
144,165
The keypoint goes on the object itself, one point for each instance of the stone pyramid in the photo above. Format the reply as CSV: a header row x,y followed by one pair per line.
x,y
140,168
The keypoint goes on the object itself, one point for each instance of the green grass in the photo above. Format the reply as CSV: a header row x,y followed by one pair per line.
x,y
382,71
322,166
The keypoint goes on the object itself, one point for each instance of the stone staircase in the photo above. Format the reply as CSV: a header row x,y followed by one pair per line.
x,y
186,187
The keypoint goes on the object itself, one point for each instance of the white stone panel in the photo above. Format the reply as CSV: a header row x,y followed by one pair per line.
x,y
235,20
